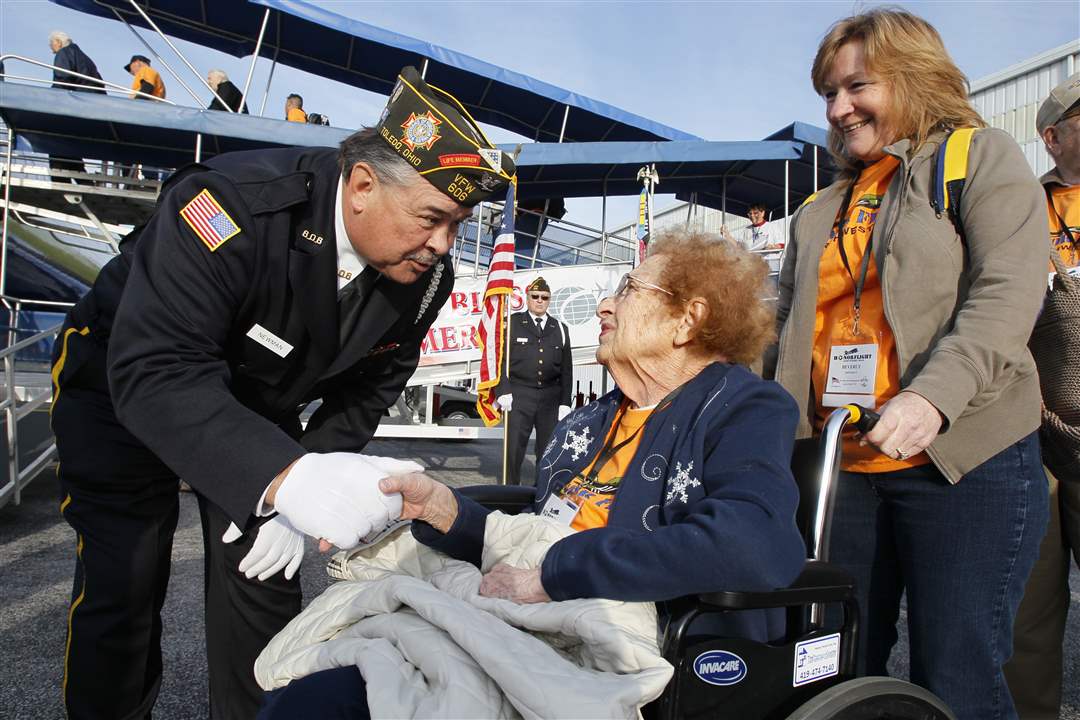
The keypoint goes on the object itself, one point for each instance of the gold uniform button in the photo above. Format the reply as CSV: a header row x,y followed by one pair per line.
x,y
541,349
541,362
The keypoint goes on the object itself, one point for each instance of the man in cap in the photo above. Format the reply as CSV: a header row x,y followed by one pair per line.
x,y
144,79
265,280
535,389
1034,673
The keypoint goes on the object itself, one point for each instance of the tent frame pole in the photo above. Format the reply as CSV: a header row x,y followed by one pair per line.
x,y
254,58
7,211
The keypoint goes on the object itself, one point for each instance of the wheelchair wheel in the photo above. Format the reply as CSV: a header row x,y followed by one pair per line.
x,y
874,698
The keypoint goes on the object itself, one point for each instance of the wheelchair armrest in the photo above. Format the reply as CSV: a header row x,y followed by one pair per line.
x,y
819,582
510,499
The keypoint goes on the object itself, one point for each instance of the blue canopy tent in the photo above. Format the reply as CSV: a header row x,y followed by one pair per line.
x,y
73,124
749,171
339,48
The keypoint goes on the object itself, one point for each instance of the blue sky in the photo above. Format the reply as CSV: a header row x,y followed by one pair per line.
x,y
720,70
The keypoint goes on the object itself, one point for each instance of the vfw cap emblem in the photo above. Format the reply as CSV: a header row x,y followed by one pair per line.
x,y
421,131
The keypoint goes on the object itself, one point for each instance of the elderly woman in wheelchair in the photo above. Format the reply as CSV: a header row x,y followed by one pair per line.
x,y
678,483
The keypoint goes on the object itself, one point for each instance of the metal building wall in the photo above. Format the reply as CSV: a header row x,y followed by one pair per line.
x,y
1010,99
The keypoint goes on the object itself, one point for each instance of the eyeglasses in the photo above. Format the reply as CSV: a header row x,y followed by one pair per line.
x,y
537,296
625,286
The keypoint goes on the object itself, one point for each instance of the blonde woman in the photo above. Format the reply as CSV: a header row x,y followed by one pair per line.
x,y
882,302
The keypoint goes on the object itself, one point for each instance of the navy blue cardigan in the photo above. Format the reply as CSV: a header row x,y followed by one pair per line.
x,y
707,504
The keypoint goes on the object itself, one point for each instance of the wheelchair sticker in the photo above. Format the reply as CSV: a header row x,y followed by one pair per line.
x,y
816,659
720,667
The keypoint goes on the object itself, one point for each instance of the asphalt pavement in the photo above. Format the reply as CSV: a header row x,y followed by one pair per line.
x,y
37,555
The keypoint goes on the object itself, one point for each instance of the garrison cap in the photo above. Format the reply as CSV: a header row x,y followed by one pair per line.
x,y
539,284
1061,99
435,134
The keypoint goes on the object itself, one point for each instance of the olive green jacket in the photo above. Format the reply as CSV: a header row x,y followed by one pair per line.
x,y
961,311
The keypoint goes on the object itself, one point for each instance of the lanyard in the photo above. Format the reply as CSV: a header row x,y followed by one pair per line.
x,y
1061,220
608,451
864,265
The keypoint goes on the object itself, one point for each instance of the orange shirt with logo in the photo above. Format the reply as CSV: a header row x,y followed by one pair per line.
x,y
594,497
1064,202
835,304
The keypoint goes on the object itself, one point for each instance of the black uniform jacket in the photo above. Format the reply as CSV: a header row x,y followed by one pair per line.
x,y
216,406
538,360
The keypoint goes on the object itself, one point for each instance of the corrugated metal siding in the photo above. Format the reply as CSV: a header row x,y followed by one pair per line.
x,y
1010,101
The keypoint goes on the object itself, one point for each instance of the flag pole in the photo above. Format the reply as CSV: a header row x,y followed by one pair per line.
x,y
505,320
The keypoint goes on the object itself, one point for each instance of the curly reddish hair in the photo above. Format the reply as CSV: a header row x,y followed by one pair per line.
x,y
741,320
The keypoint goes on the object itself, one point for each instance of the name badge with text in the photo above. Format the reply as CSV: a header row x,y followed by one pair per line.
x,y
852,372
560,510
269,340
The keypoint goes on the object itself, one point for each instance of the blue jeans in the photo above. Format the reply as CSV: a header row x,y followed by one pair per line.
x,y
962,552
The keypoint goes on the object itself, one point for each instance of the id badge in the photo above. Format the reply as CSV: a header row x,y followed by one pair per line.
x,y
560,510
853,362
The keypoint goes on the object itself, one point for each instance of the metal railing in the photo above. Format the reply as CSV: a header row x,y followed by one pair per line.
x,y
14,411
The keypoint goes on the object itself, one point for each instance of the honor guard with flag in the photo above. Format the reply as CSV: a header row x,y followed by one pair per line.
x,y
265,280
537,378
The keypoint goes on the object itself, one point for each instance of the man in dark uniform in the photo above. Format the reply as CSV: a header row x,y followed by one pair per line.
x,y
536,389
265,280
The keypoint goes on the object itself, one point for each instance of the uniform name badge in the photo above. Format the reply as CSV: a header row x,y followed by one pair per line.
x,y
560,510
851,376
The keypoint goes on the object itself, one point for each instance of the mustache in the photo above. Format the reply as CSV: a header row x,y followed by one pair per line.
x,y
424,257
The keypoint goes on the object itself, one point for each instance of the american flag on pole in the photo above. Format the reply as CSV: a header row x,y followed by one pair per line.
x,y
205,216
492,328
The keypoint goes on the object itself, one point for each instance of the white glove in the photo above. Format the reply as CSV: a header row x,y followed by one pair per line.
x,y
393,466
505,401
336,496
564,410
278,545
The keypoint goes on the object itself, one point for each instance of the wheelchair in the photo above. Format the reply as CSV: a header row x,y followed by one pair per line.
x,y
809,674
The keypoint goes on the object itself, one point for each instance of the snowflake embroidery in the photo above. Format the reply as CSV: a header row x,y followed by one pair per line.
x,y
577,444
678,485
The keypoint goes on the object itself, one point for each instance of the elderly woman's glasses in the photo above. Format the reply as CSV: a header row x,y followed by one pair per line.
x,y
628,283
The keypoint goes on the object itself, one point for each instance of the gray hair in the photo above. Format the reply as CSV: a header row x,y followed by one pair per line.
x,y
59,36
365,146
216,77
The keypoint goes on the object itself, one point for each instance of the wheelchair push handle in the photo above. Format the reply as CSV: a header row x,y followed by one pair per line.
x,y
864,419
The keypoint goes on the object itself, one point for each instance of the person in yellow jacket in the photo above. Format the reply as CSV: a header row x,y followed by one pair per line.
x,y
145,79
294,109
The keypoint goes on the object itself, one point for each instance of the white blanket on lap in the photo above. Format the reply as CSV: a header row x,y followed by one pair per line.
x,y
429,646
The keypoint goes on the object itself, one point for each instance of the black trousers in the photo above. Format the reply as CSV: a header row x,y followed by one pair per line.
x,y
122,502
533,407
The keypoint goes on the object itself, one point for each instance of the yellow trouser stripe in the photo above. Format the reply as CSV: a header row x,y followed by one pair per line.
x,y
59,366
74,605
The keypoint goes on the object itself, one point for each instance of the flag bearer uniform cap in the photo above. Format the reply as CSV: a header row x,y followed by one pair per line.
x,y
1060,101
539,284
435,134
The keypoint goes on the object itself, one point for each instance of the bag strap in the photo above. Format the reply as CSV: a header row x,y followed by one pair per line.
x,y
950,174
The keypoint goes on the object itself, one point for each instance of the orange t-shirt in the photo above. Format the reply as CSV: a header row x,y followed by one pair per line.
x,y
594,498
151,76
296,115
1065,201
835,303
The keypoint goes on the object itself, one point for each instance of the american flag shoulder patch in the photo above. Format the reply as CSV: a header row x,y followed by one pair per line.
x,y
207,219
